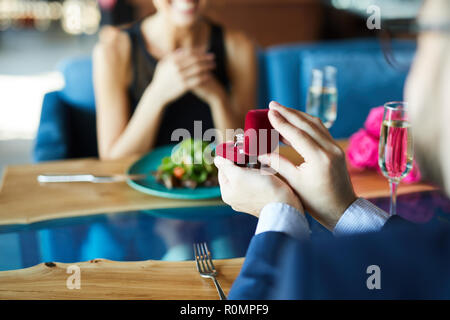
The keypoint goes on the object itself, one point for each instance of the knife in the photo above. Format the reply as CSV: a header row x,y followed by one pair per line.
x,y
45,178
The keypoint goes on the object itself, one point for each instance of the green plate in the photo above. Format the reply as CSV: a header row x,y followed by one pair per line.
x,y
149,185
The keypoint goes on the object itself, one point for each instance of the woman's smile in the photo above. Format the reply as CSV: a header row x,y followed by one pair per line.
x,y
185,7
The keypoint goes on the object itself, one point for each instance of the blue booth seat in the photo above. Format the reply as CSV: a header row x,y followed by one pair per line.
x,y
365,80
67,128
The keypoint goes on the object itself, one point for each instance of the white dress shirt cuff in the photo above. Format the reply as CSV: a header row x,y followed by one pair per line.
x,y
362,216
281,217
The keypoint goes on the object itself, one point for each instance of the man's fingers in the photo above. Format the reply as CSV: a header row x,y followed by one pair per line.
x,y
221,162
312,125
222,178
226,166
300,140
231,170
280,164
282,139
318,122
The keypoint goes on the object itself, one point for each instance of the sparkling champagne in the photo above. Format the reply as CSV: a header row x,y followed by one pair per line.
x,y
395,149
322,103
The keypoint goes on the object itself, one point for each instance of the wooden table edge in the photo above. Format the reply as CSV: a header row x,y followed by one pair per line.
x,y
48,280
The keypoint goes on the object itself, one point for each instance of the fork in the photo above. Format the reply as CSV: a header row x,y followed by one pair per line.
x,y
206,267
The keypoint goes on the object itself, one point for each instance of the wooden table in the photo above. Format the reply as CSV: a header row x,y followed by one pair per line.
x,y
23,200
104,279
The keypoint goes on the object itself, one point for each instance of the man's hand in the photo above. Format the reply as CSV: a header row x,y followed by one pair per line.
x,y
322,182
249,190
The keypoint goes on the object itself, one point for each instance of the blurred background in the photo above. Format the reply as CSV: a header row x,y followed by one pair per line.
x,y
36,35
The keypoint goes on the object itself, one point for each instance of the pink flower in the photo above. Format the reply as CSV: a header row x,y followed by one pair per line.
x,y
362,150
414,175
373,121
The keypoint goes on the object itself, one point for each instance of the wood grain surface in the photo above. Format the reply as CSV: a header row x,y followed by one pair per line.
x,y
23,200
105,279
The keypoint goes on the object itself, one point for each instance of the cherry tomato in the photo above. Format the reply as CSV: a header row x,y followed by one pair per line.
x,y
178,172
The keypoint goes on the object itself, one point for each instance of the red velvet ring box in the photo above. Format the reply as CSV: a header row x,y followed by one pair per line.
x,y
257,139
231,152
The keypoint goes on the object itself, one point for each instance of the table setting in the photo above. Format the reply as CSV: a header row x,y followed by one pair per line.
x,y
162,211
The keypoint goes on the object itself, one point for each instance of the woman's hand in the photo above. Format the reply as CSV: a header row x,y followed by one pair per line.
x,y
249,190
181,71
211,90
322,182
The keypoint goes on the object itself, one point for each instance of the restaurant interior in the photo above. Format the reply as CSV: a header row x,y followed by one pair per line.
x,y
64,201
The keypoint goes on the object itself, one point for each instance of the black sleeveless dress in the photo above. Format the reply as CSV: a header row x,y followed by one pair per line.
x,y
182,112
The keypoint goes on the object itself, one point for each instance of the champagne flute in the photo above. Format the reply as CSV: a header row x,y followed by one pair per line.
x,y
322,95
395,153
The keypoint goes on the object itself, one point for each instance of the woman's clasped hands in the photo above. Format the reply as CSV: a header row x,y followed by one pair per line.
x,y
186,69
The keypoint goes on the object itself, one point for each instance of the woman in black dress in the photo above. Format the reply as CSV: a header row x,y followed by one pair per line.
x,y
167,71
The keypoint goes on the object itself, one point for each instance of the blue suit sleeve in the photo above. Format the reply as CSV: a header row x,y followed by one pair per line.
x,y
258,274
412,260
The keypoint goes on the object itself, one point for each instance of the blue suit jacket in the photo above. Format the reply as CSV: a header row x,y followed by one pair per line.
x,y
414,262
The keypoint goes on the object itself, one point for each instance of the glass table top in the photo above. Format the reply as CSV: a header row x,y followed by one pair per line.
x,y
165,234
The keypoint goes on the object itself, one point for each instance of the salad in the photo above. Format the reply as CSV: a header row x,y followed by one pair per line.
x,y
190,166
